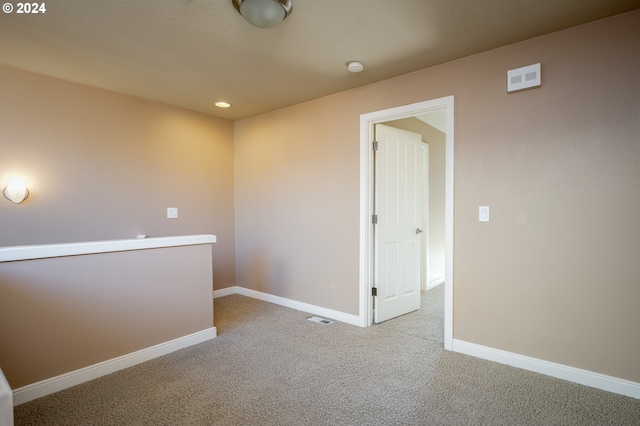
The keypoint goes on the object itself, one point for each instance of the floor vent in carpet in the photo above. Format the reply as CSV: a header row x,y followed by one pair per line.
x,y
320,320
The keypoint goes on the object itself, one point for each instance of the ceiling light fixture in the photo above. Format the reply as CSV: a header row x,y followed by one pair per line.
x,y
222,104
263,13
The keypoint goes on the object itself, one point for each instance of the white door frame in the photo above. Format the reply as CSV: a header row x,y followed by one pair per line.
x,y
367,122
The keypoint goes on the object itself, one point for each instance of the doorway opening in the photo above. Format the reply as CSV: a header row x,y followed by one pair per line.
x,y
444,108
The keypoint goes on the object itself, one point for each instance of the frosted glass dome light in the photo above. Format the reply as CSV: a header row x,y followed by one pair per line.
x,y
263,13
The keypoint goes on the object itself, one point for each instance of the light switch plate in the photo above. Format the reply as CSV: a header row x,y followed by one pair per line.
x,y
483,214
172,213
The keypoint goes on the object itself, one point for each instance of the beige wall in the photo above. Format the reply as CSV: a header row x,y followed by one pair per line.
x,y
554,275
62,314
104,166
437,145
297,204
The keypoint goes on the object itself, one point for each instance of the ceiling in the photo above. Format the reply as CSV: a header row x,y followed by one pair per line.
x,y
436,118
193,53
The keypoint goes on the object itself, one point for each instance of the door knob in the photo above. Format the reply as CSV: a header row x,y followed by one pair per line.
x,y
418,231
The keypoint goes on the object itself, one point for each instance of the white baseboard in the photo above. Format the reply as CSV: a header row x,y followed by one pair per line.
x,y
293,304
73,378
435,283
572,374
224,292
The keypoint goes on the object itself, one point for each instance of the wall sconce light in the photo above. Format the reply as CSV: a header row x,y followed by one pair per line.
x,y
16,191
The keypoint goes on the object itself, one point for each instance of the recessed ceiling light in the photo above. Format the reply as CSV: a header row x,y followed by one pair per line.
x,y
355,66
222,104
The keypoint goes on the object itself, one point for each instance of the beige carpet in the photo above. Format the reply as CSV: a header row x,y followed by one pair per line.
x,y
271,366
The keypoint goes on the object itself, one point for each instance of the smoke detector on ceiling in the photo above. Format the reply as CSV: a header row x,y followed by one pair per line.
x,y
355,66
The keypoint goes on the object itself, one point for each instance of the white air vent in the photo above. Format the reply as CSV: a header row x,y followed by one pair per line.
x,y
523,78
320,320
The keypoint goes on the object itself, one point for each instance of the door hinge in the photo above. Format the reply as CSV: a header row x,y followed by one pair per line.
x,y
375,145
374,219
374,291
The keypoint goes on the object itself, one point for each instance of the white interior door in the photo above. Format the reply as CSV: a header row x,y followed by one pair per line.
x,y
399,191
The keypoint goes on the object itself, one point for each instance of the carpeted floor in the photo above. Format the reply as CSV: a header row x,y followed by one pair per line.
x,y
270,366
